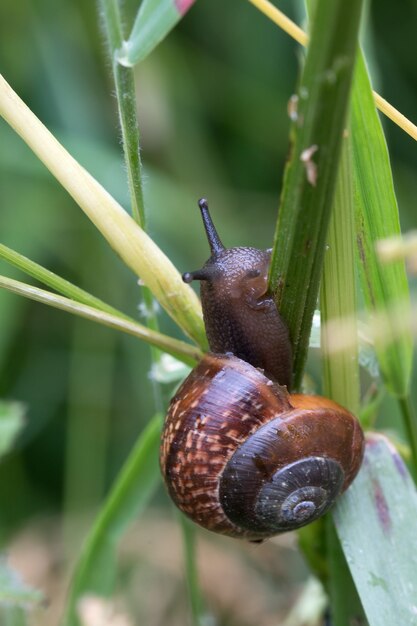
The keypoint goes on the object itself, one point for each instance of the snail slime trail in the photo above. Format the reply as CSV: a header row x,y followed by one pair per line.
x,y
240,455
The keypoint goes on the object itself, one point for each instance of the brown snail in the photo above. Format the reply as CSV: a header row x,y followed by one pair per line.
x,y
239,454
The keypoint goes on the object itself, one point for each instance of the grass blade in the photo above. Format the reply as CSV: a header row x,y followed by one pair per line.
x,y
56,282
340,369
133,245
181,350
137,481
126,102
310,176
153,22
381,553
124,81
384,285
195,599
294,31
338,292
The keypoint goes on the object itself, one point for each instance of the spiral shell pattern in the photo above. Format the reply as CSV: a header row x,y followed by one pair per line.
x,y
242,457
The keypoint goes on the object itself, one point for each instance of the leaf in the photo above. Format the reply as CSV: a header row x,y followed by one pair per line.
x,y
338,292
136,483
154,20
310,176
375,524
384,285
341,368
11,423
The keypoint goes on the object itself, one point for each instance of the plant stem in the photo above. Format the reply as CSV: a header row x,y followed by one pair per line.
x,y
56,282
191,570
338,292
124,80
340,369
294,31
135,484
133,245
179,349
311,172
410,423
126,102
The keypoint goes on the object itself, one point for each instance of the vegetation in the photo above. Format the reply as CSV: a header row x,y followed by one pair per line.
x,y
86,526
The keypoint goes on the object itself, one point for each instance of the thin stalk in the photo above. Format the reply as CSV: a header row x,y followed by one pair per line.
x,y
340,369
126,102
294,31
191,570
124,80
311,173
56,282
338,292
125,92
135,484
179,349
410,423
132,244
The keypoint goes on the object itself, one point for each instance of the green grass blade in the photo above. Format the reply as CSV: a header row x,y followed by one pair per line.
x,y
310,176
191,574
136,483
179,349
154,20
341,368
384,285
126,102
132,244
380,544
124,81
338,292
61,285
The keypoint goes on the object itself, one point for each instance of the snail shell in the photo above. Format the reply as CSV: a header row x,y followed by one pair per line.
x,y
242,457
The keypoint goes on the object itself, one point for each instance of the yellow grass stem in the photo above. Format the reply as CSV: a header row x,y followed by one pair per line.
x,y
294,31
132,244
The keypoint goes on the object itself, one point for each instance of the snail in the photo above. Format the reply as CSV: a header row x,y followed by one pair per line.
x,y
239,454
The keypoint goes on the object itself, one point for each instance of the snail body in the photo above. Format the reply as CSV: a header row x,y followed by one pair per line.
x,y
240,315
239,454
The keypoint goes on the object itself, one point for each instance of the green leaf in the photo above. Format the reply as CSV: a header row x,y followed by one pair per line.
x,y
341,368
155,19
338,292
384,285
13,591
136,483
11,423
195,599
310,176
375,523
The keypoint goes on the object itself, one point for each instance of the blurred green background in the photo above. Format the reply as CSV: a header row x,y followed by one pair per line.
x,y
213,119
